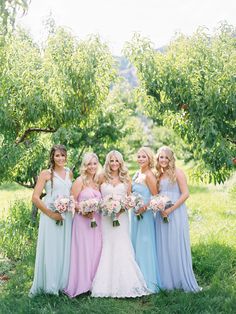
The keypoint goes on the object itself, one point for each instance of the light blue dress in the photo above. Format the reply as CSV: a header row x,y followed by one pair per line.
x,y
143,239
53,246
173,244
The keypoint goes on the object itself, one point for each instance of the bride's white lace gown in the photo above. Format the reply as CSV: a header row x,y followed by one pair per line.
x,y
118,274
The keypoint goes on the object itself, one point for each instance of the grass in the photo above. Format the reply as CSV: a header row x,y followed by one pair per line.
x,y
9,193
212,217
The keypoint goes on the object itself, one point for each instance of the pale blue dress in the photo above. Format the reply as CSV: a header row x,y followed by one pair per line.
x,y
144,240
53,246
173,244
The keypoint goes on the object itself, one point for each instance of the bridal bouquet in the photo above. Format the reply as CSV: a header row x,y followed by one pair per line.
x,y
64,204
135,201
89,206
111,207
160,203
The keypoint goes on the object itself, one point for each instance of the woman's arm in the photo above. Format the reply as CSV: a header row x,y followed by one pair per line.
x,y
101,179
42,179
182,183
71,175
129,187
151,183
76,189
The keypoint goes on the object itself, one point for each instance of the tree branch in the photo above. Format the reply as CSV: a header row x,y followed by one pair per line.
x,y
29,186
80,154
30,130
231,141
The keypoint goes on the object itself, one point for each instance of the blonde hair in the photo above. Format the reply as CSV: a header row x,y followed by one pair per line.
x,y
149,153
170,171
122,172
84,165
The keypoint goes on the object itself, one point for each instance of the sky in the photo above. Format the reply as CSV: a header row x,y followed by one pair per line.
x,y
117,20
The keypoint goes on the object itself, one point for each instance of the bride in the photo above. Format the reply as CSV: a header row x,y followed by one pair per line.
x,y
118,275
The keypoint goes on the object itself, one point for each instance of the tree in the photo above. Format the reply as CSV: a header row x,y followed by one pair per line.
x,y
54,95
191,87
8,13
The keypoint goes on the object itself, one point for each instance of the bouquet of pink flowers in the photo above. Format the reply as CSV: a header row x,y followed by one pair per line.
x,y
128,202
135,201
64,204
111,207
160,203
89,206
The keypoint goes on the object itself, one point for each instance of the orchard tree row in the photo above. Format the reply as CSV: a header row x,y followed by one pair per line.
x,y
191,87
69,91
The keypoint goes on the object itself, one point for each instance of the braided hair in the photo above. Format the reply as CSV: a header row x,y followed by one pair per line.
x,y
63,151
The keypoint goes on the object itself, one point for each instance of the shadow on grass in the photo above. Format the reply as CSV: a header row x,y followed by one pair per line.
x,y
214,266
11,187
213,261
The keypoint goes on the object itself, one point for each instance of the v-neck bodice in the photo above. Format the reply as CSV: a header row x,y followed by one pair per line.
x,y
58,187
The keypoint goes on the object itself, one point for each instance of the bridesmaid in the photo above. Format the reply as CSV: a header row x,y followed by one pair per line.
x,y
86,243
173,244
53,247
143,230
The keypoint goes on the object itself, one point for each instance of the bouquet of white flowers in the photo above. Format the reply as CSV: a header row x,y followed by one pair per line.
x,y
63,204
111,207
89,206
160,203
135,201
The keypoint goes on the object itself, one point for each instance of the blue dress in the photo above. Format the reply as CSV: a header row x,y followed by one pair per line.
x,y
143,240
173,244
53,246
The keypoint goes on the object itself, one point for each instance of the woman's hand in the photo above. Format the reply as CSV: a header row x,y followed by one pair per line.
x,y
89,215
120,212
141,210
166,212
77,208
56,216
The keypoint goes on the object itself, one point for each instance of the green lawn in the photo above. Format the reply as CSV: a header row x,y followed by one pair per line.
x,y
9,193
212,216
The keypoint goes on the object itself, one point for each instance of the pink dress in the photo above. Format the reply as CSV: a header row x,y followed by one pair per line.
x,y
86,246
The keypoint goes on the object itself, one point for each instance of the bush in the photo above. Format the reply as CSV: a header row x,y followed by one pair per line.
x,y
17,232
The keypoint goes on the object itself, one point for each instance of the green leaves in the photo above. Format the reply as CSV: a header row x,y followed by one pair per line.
x,y
8,12
193,81
59,90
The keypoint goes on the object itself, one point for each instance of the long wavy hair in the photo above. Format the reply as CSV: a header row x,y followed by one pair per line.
x,y
150,155
122,172
84,165
170,171
63,151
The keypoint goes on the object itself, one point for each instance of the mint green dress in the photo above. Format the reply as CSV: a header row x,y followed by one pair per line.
x,y
53,246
